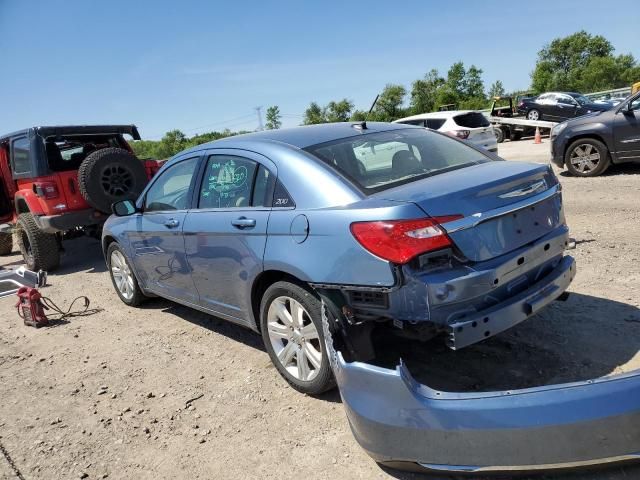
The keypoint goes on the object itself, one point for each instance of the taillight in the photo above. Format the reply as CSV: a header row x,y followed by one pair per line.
x,y
521,104
48,190
463,134
399,241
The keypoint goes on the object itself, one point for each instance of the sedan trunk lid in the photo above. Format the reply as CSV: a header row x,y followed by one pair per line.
x,y
504,205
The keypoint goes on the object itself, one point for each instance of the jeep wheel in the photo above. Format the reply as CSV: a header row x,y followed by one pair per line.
x,y
6,243
39,249
110,175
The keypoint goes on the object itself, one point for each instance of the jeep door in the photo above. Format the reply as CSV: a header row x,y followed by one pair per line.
x,y
157,242
626,131
225,234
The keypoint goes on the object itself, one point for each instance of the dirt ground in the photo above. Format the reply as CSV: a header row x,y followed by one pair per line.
x,y
108,394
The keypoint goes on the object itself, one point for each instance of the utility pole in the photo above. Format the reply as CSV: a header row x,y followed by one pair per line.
x,y
259,112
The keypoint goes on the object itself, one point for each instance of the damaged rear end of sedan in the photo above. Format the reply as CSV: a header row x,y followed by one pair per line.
x,y
488,254
339,242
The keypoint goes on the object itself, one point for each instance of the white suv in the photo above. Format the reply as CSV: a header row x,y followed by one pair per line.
x,y
468,125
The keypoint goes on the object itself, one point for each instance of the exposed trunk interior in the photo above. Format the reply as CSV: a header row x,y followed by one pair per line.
x,y
563,343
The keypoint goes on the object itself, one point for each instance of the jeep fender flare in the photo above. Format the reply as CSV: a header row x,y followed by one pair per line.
x,y
26,201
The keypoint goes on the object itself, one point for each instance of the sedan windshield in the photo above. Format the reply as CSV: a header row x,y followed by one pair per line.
x,y
378,161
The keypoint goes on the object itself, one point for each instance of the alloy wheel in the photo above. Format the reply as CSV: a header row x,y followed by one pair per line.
x,y
294,338
116,180
122,276
585,158
533,115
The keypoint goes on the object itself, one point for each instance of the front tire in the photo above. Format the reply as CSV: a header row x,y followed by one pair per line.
x,y
122,277
291,326
39,249
499,133
587,157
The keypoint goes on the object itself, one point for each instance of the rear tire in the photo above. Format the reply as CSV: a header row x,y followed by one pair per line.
x,y
534,114
295,343
499,133
587,157
39,249
6,243
515,135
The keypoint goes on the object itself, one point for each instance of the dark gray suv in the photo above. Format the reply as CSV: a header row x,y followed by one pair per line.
x,y
586,146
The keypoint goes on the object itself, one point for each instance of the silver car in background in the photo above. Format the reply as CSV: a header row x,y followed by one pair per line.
x,y
468,125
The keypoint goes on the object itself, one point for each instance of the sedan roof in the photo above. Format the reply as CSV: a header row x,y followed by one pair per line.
x,y
305,136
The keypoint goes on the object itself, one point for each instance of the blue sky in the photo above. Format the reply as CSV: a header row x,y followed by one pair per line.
x,y
204,65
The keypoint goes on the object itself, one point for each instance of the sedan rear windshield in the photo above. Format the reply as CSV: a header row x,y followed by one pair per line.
x,y
471,120
378,161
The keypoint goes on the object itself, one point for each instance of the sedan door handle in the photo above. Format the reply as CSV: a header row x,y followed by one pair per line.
x,y
171,223
243,222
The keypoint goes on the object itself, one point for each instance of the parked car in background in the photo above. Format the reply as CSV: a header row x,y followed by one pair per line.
x,y
588,145
558,106
59,182
467,125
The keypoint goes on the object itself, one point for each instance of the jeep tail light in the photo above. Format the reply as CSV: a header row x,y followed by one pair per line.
x,y
48,190
399,241
463,134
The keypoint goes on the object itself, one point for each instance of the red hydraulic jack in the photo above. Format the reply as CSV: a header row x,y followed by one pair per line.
x,y
30,307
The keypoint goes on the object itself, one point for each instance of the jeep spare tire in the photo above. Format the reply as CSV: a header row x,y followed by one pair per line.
x,y
110,175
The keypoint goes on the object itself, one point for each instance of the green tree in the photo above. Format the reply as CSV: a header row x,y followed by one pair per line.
x,y
424,92
582,62
273,118
496,89
338,111
389,104
314,114
172,142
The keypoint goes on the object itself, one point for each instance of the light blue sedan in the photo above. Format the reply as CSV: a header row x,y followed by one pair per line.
x,y
319,236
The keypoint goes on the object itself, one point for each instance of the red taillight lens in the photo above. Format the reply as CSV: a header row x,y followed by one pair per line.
x,y
521,104
48,190
399,241
463,134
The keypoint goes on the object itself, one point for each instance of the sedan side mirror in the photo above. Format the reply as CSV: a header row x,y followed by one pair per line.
x,y
124,208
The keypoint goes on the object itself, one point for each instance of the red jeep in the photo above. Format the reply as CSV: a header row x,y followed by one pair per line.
x,y
60,182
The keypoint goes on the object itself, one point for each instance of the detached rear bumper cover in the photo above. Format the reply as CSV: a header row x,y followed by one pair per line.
x,y
403,423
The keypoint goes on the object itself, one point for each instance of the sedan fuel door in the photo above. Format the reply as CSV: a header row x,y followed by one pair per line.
x,y
626,131
157,242
225,236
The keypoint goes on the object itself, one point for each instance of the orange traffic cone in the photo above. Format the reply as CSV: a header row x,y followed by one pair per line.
x,y
538,137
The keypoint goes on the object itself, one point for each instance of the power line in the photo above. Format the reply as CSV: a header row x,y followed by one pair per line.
x,y
206,126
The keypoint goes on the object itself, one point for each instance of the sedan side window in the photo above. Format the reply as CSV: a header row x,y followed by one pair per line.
x,y
228,182
566,100
171,190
